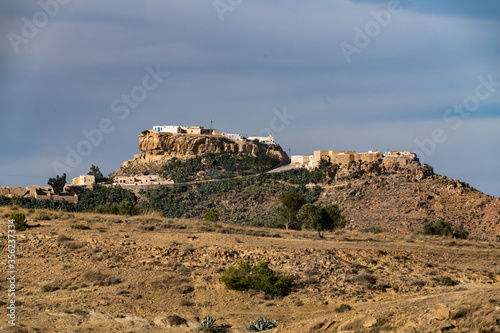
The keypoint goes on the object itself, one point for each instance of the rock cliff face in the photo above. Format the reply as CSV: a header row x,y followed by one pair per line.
x,y
157,148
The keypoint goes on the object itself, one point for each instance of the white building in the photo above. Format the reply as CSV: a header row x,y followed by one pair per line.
x,y
168,129
234,137
266,140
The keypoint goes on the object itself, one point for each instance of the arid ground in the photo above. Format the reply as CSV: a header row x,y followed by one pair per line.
x,y
152,274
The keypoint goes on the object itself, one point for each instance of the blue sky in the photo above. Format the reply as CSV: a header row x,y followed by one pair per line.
x,y
251,66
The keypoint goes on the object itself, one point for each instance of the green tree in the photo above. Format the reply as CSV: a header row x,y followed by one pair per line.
x,y
320,218
94,171
19,220
338,219
290,205
57,183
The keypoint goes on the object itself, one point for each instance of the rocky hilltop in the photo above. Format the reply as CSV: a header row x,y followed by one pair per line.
x,y
158,147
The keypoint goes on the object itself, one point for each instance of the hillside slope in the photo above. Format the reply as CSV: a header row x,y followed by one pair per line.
x,y
399,197
403,198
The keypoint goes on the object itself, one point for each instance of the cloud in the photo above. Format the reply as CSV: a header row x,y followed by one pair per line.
x,y
262,56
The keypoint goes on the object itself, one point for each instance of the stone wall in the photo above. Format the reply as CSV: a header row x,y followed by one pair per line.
x,y
346,157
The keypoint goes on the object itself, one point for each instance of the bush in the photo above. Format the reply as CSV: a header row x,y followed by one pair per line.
x,y
444,228
185,302
48,288
212,215
259,278
19,220
208,325
125,208
343,308
445,280
184,289
93,276
261,324
373,230
79,227
42,216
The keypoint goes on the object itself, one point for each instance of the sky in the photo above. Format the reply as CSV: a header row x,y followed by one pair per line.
x,y
80,80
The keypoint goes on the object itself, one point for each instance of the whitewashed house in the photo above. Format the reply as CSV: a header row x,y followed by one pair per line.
x,y
167,129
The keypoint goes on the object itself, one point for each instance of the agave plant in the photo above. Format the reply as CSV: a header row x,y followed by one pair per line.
x,y
208,325
261,324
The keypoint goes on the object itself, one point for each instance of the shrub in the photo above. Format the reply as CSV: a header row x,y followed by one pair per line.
x,y
71,245
366,280
79,227
91,275
259,278
43,216
185,302
184,289
48,288
126,208
63,238
261,324
445,280
444,228
343,308
459,232
208,325
373,230
212,215
19,220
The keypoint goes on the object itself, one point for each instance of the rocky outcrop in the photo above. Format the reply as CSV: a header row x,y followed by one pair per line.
x,y
402,198
157,148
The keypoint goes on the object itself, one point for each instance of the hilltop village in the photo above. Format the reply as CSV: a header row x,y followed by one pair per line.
x,y
240,144
200,130
305,161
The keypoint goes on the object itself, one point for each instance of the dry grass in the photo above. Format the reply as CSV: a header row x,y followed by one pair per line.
x,y
150,215
160,269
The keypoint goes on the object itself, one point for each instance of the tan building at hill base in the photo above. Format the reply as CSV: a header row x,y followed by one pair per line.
x,y
347,156
141,180
84,180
